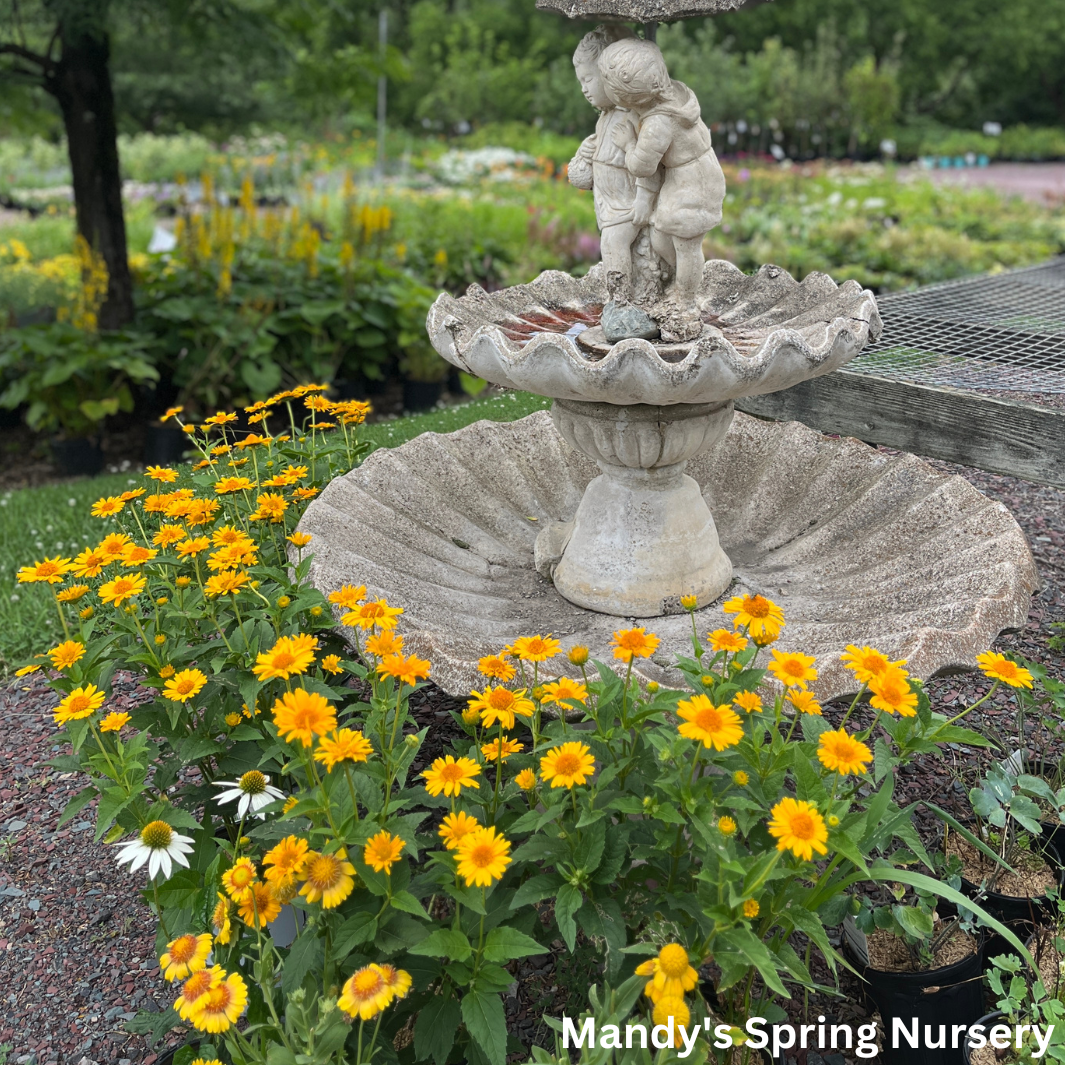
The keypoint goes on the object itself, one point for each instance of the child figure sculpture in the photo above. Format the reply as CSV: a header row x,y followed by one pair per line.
x,y
599,165
668,151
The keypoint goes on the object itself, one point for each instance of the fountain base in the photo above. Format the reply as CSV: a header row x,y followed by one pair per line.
x,y
642,536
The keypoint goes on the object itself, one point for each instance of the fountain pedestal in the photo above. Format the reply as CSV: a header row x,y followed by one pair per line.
x,y
642,536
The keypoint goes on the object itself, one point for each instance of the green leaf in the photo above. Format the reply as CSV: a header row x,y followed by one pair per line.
x,y
748,946
567,903
504,944
914,922
444,943
536,889
112,802
434,1031
404,900
355,930
487,1024
306,954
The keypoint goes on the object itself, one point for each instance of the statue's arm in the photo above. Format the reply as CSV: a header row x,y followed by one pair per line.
x,y
643,158
580,166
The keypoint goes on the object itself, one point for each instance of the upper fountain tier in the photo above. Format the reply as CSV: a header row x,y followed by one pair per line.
x,y
639,10
763,333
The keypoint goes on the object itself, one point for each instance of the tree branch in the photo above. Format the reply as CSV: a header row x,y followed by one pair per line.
x,y
42,61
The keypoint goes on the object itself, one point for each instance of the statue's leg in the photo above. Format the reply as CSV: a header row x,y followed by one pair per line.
x,y
616,249
690,260
663,246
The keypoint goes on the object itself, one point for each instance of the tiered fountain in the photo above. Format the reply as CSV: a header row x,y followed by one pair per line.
x,y
604,512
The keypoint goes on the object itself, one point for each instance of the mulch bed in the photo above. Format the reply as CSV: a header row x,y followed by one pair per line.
x,y
77,945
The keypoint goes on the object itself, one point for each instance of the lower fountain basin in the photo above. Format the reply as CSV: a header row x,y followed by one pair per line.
x,y
857,546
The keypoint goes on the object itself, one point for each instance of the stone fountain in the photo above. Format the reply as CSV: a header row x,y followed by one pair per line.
x,y
605,513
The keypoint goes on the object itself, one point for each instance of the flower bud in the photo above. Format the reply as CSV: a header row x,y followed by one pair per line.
x,y
689,602
412,740
160,638
652,687
283,601
577,655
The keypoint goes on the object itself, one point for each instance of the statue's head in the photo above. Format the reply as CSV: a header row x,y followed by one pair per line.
x,y
634,72
586,61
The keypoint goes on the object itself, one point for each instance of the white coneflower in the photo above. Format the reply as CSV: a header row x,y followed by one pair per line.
x,y
251,793
157,845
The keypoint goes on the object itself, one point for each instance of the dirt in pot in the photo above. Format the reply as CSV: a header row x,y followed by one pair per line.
x,y
890,954
1034,875
1048,958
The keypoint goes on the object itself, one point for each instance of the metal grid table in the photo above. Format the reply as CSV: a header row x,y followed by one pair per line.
x,y
971,370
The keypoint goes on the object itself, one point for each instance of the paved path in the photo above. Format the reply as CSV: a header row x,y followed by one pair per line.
x,y
1041,182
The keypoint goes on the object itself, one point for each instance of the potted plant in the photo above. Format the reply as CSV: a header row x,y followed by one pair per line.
x,y
918,964
70,381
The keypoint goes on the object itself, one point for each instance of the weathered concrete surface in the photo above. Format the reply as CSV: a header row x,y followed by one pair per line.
x,y
763,332
640,10
857,546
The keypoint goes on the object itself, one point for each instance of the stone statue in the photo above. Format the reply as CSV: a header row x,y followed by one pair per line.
x,y
651,167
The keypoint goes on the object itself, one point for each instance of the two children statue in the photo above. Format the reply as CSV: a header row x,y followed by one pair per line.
x,y
656,181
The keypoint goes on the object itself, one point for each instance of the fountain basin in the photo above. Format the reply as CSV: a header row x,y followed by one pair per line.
x,y
857,545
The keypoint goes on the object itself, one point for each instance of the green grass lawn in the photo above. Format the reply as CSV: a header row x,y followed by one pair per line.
x,y
55,520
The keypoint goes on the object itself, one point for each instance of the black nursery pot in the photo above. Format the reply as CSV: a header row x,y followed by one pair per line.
x,y
1015,910
987,1020
164,444
950,995
421,395
77,458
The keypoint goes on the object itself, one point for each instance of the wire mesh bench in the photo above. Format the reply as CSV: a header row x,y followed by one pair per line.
x,y
972,371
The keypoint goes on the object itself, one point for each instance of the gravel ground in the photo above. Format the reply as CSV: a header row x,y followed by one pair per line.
x,y
78,946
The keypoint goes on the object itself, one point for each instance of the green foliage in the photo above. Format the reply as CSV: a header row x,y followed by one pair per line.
x,y
1025,1000
71,380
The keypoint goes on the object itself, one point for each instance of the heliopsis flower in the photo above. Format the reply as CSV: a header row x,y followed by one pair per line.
x,y
162,474
328,877
557,691
251,793
761,617
634,643
501,704
740,779
714,726
300,539
892,692
331,664
184,686
107,506
239,877
194,988
799,828
166,671
842,753
748,701
793,668
751,908
228,485
670,1006
184,956
526,780
114,722
382,644
227,583
89,563
167,535
80,703
66,654
25,671
376,613
805,702
365,993
450,776
999,667
290,656
120,589
671,973
285,862
723,640
726,826
535,648
73,593
113,545
501,749
220,922
158,845
137,555
396,980
348,596
866,662
259,906
456,827
382,852
407,670
495,667
271,506
219,1009
347,745
302,715
483,857
196,546
566,765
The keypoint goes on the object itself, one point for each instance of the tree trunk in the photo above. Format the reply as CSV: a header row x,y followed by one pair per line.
x,y
81,84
